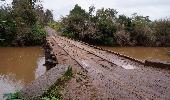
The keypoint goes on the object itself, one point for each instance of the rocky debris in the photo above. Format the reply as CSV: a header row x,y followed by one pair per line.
x,y
50,58
40,85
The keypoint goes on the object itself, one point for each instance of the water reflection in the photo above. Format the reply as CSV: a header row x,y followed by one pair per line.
x,y
40,70
19,66
143,53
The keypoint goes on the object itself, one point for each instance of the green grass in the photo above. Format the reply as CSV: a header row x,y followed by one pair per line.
x,y
14,96
53,93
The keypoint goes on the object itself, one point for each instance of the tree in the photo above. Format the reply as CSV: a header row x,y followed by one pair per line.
x,y
142,32
7,25
40,15
91,10
20,24
123,38
106,28
48,17
106,19
75,22
124,22
162,31
25,17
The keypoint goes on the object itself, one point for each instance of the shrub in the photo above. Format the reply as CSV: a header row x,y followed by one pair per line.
x,y
162,31
14,96
123,38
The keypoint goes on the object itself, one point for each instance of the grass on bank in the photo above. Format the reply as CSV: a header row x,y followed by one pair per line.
x,y
53,93
14,96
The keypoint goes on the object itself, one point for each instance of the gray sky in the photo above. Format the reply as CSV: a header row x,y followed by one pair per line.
x,y
156,9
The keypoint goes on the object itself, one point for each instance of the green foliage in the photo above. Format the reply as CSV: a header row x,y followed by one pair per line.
x,y
75,23
84,26
105,21
36,37
122,38
142,30
14,96
105,27
69,72
7,26
53,93
48,17
162,31
23,23
24,12
55,25
124,23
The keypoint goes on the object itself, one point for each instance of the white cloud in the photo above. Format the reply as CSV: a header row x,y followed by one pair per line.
x,y
156,9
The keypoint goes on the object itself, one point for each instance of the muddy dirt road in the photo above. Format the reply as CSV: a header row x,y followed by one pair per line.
x,y
103,75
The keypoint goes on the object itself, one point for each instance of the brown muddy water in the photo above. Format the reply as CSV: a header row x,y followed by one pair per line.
x,y
19,66
143,53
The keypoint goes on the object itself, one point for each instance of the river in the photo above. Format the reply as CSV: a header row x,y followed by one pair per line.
x,y
143,53
19,66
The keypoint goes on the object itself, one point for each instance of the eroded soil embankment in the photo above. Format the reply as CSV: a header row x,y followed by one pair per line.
x,y
50,58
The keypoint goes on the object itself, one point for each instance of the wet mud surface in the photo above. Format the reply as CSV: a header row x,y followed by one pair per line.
x,y
102,75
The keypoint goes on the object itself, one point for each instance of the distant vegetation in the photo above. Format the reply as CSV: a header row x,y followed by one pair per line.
x,y
22,23
106,27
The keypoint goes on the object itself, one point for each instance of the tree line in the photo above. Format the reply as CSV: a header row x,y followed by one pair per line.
x,y
106,27
22,23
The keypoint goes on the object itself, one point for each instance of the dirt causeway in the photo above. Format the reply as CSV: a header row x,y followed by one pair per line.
x,y
103,75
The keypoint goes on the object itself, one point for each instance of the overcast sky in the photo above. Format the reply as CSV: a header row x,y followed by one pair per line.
x,y
156,9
